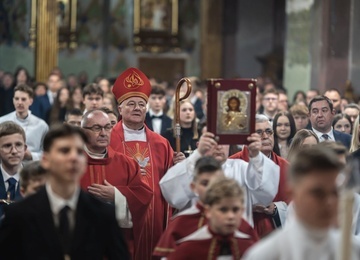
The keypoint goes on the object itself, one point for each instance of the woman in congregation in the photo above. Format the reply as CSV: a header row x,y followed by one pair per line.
x,y
189,129
284,131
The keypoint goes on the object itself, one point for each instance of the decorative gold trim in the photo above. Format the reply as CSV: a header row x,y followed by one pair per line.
x,y
132,94
137,14
175,17
161,249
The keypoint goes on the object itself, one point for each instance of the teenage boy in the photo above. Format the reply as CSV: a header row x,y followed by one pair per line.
x,y
32,178
314,184
207,170
73,117
60,221
34,127
155,118
93,97
12,151
220,239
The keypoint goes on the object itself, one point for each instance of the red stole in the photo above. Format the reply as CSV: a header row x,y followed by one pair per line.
x,y
156,157
185,224
263,223
123,173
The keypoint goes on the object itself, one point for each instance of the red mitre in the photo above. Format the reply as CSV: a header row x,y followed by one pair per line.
x,y
131,83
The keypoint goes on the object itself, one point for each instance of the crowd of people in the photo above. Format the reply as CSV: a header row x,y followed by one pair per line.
x,y
90,170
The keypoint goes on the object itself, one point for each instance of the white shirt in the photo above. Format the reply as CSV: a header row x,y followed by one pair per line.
x,y
7,176
260,177
156,122
134,135
57,204
322,139
297,242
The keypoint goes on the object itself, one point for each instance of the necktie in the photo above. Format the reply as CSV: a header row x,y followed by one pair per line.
x,y
64,229
12,187
158,117
325,136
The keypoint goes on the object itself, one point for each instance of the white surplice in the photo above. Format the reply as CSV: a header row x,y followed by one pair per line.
x,y
297,242
260,178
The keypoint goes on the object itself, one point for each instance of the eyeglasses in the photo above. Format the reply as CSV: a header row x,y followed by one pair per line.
x,y
268,132
7,148
270,99
99,128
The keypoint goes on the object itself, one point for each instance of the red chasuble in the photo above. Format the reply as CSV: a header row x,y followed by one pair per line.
x,y
205,244
156,156
263,223
186,223
123,173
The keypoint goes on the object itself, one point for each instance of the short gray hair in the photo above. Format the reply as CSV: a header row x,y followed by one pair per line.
x,y
260,118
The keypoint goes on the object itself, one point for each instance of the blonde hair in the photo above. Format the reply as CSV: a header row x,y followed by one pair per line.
x,y
223,188
194,123
298,140
355,144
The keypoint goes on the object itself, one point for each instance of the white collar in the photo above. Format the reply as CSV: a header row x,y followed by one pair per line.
x,y
21,119
57,203
7,176
152,113
95,155
319,134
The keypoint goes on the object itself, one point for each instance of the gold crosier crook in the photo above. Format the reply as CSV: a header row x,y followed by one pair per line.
x,y
178,99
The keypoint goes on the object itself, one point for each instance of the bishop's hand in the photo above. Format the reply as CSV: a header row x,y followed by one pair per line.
x,y
105,192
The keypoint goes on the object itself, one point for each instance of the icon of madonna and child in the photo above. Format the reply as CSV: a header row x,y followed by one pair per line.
x,y
232,112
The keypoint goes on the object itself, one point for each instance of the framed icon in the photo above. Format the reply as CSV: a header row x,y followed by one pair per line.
x,y
155,25
231,109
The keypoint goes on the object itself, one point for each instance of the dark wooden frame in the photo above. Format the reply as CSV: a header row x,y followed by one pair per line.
x,y
218,91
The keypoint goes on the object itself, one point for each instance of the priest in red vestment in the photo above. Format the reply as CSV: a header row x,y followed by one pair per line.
x,y
114,177
153,153
207,169
269,217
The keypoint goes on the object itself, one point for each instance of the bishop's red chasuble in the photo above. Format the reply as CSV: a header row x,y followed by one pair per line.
x,y
186,223
123,173
205,244
156,156
263,223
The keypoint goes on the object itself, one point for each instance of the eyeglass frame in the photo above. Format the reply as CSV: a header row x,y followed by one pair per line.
x,y
91,128
268,132
13,146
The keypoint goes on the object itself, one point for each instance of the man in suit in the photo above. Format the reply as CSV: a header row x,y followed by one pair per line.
x,y
61,221
12,151
155,118
321,113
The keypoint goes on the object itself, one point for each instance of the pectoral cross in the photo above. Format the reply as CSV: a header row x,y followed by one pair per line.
x,y
189,150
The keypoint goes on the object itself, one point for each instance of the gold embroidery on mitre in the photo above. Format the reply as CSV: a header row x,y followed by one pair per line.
x,y
133,81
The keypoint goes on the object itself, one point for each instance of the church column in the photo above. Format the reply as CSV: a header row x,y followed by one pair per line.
x,y
46,39
317,45
211,38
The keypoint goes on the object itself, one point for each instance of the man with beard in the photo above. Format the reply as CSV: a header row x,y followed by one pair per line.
x,y
268,216
260,176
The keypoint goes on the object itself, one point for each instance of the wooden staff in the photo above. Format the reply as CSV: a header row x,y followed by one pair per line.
x,y
178,99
